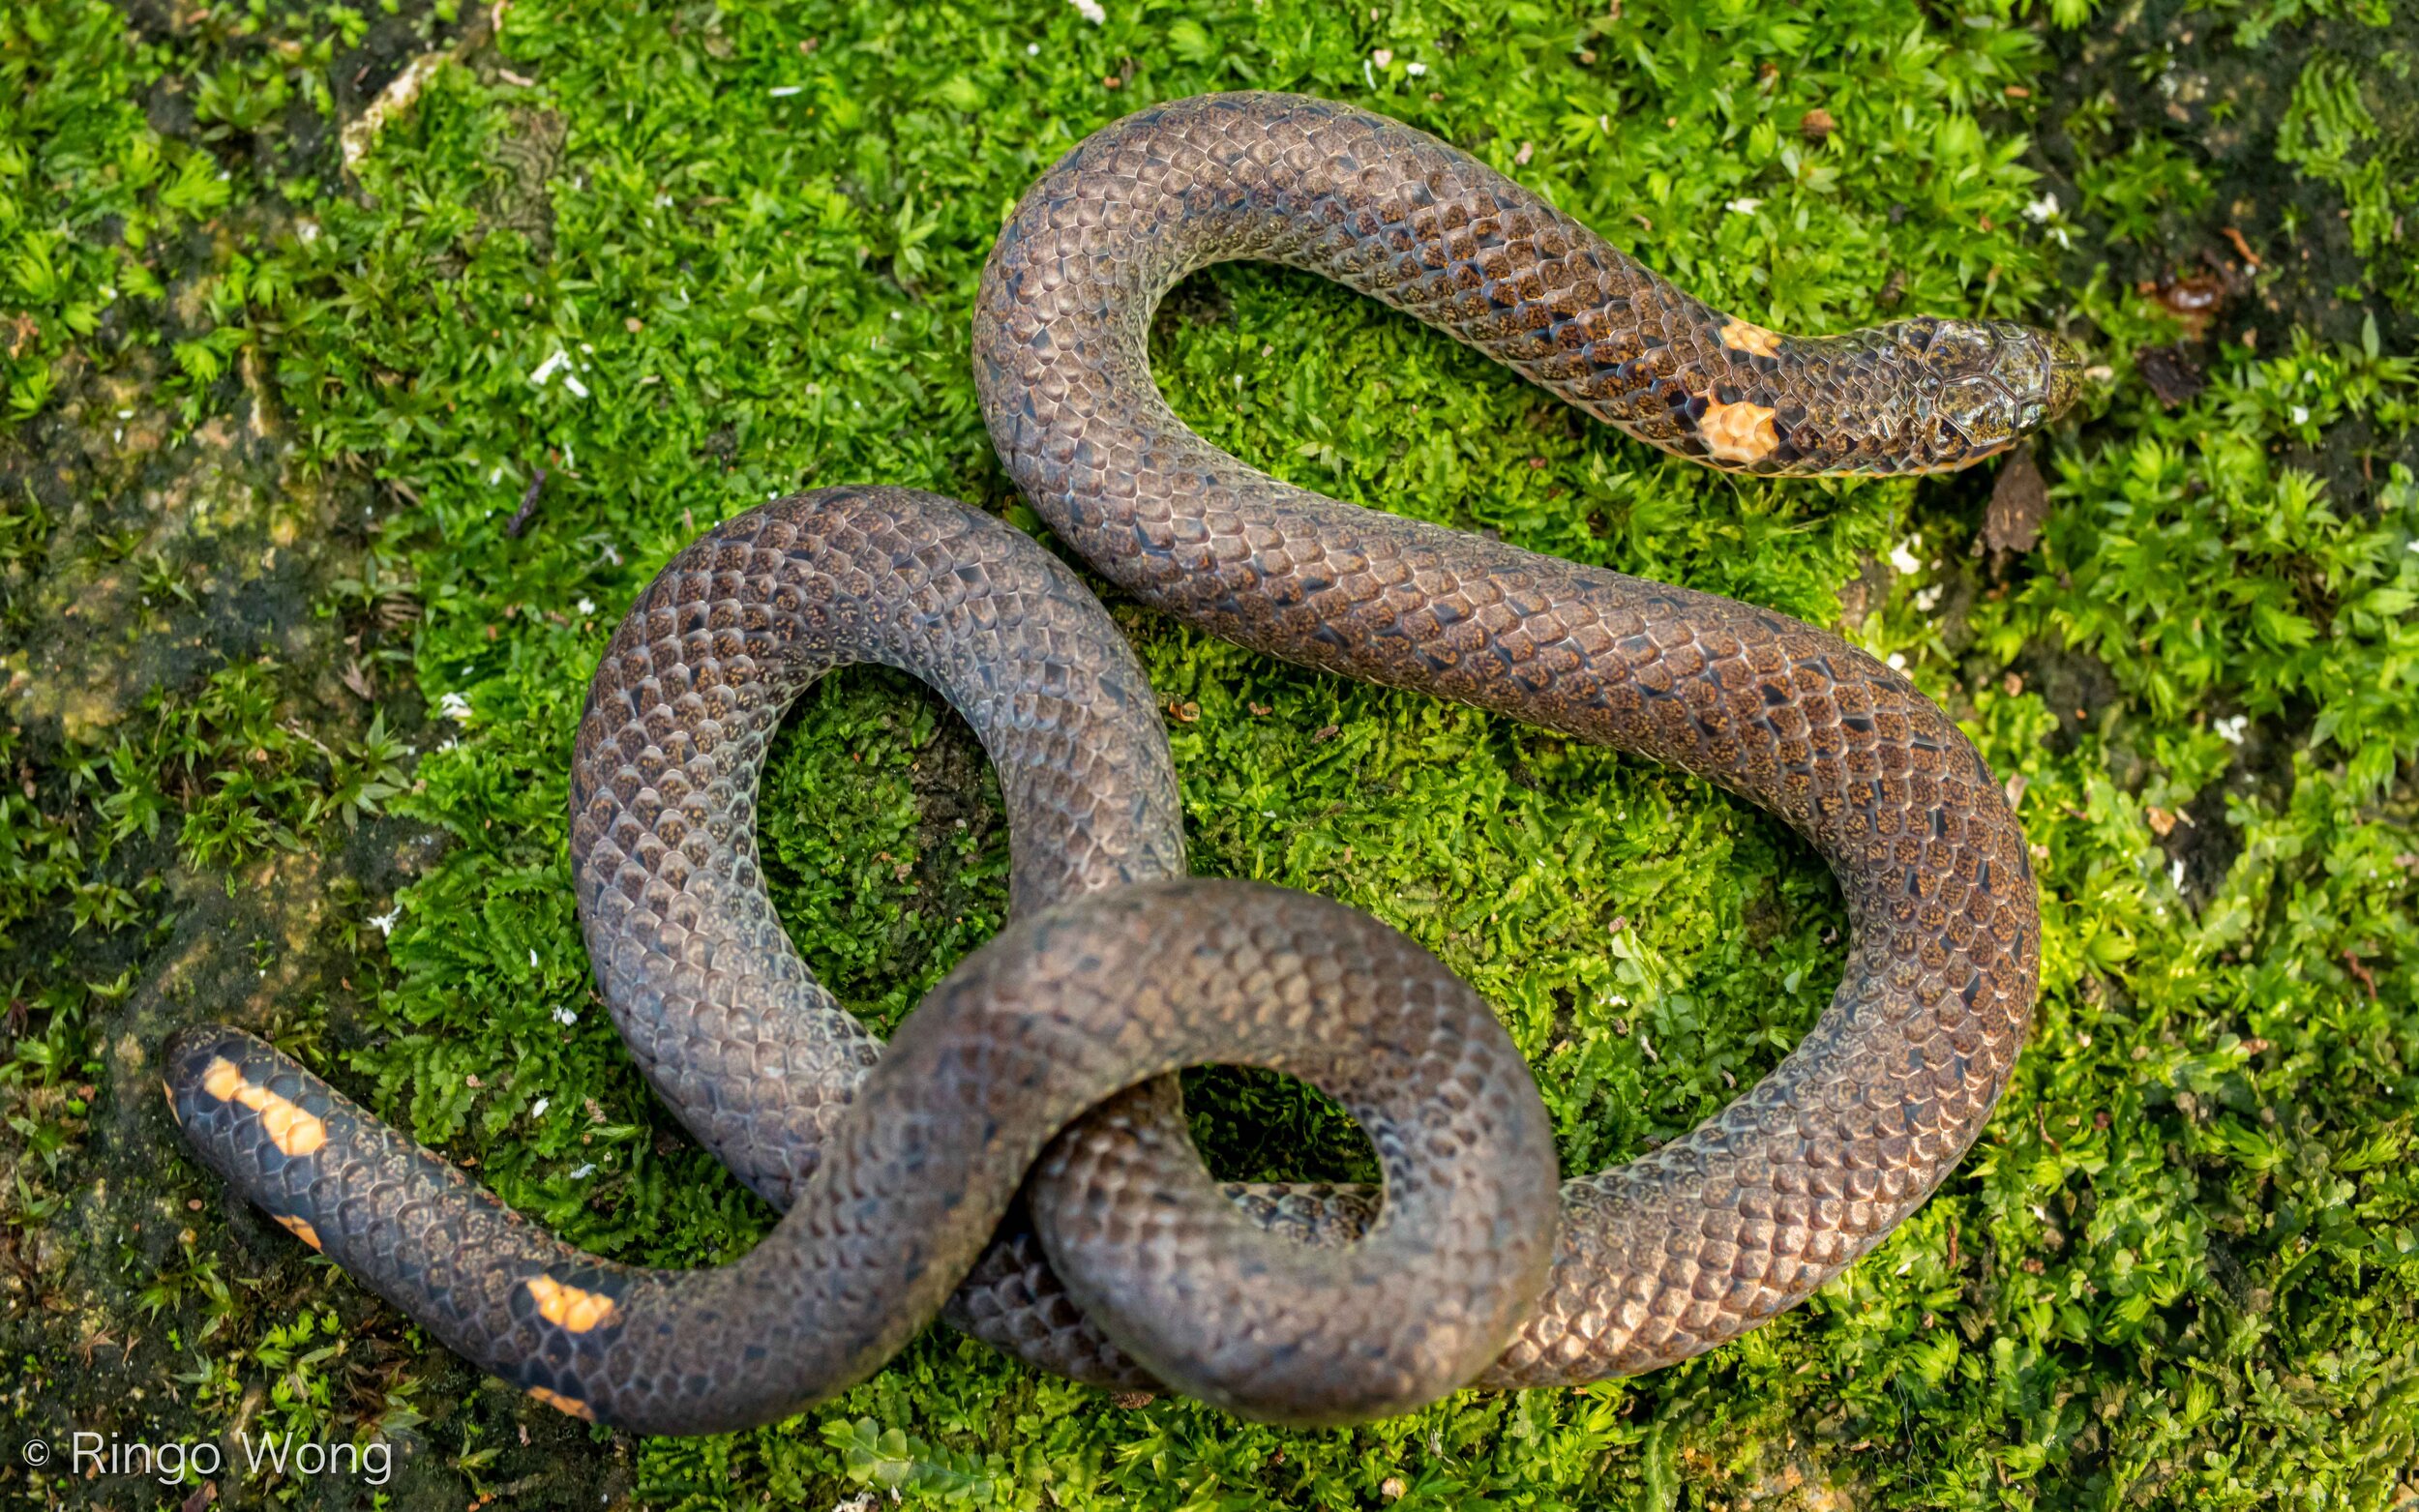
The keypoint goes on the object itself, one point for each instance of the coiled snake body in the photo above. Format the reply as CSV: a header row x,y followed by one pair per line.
x,y
896,1165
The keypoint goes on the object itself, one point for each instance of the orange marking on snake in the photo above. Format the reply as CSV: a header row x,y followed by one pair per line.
x,y
291,1128
1753,340
1739,432
569,1307
221,1080
563,1404
299,1229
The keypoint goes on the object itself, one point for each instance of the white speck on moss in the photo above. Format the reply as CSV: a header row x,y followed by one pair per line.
x,y
1743,206
1089,10
559,362
453,706
537,1110
566,1017
385,923
2230,729
1903,559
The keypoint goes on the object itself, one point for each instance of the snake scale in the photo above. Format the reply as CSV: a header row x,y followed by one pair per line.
x,y
1015,1159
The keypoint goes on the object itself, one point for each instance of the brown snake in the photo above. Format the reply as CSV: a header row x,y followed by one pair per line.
x,y
896,1167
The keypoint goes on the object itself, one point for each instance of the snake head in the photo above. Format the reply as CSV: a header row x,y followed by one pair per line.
x,y
1990,382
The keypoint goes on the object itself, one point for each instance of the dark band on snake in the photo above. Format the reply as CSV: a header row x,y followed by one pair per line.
x,y
1040,1066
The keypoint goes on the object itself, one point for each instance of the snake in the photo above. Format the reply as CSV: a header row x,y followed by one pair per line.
x,y
1015,1159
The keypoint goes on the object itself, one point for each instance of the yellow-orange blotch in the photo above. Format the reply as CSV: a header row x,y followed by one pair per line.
x,y
569,1307
563,1404
299,1229
294,1129
1738,433
1753,340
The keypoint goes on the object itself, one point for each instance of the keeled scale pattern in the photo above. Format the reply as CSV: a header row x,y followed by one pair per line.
x,y
896,1169
1064,1008
1710,1235
751,1053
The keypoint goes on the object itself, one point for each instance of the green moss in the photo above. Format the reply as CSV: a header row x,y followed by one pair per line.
x,y
2332,134
2182,1267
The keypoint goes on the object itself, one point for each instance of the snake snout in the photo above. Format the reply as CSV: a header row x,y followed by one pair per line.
x,y
1997,380
2041,373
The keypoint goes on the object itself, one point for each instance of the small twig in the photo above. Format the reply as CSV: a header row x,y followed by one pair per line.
x,y
291,728
528,505
2352,959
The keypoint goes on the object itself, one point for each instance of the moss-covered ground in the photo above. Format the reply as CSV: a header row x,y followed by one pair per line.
x,y
299,304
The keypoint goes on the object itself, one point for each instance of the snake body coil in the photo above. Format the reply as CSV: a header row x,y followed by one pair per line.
x,y
896,1165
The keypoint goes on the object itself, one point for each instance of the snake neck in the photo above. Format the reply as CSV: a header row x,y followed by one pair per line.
x,y
1395,214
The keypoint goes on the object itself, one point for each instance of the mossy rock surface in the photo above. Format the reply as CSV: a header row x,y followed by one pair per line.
x,y
302,306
